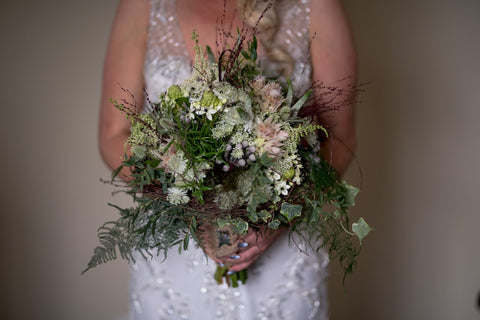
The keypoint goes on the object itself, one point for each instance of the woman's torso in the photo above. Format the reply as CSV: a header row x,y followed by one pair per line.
x,y
284,283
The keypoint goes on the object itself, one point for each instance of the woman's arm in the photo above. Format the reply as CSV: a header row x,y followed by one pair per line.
x,y
123,68
334,59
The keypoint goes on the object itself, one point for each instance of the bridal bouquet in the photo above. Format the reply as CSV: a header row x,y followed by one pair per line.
x,y
222,152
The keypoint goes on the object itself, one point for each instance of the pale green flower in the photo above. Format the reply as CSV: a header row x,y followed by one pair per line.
x,y
237,152
174,92
177,196
222,130
244,183
239,136
225,92
143,132
177,164
227,200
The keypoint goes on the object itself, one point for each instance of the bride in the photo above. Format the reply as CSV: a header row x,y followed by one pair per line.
x,y
150,48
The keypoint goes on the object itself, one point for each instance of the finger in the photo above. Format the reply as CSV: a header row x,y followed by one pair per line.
x,y
242,246
243,258
240,267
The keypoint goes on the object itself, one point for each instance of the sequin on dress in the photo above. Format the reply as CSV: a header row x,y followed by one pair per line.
x,y
284,283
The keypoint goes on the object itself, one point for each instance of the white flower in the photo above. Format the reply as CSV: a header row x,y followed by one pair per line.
x,y
272,175
297,180
177,196
211,112
281,187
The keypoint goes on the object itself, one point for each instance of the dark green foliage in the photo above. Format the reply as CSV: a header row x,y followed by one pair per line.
x,y
155,226
325,220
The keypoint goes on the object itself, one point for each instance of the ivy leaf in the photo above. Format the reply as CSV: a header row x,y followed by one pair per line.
x,y
253,217
290,211
222,223
275,224
350,193
264,215
361,229
241,226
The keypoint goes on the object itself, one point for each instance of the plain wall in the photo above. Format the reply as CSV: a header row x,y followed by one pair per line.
x,y
418,152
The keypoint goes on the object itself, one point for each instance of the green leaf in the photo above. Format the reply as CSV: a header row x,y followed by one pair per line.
x,y
315,214
275,224
116,172
289,97
296,107
241,226
290,211
210,56
361,229
350,193
222,222
153,162
264,215
253,216
185,242
194,223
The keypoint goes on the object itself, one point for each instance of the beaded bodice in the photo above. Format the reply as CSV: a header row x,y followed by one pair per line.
x,y
167,60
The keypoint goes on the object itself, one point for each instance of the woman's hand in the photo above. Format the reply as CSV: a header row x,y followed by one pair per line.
x,y
250,248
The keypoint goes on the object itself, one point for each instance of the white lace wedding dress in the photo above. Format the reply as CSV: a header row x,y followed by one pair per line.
x,y
284,283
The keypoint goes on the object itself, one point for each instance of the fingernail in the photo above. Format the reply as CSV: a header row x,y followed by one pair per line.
x,y
243,245
235,257
230,272
220,264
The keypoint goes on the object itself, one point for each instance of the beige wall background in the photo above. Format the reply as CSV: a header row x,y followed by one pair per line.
x,y
418,150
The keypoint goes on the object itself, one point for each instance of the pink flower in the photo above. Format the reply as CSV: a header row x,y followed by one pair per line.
x,y
268,94
272,97
269,136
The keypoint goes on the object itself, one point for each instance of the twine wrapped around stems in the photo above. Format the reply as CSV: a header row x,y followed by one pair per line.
x,y
225,241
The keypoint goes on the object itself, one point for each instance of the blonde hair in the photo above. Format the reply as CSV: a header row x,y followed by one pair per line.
x,y
261,16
